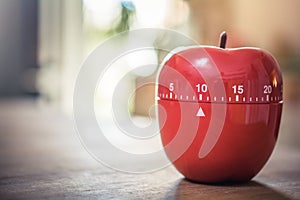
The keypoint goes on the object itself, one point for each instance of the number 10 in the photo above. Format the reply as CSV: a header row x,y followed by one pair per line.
x,y
202,88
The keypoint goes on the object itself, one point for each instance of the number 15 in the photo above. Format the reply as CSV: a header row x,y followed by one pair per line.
x,y
238,89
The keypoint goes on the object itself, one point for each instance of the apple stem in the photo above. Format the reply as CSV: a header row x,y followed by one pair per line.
x,y
223,39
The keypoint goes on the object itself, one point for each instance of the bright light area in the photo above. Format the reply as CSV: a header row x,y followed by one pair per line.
x,y
102,13
137,63
117,87
150,12
142,62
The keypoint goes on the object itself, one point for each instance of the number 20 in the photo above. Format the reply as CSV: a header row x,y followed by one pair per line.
x,y
267,89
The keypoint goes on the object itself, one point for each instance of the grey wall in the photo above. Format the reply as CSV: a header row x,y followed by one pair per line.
x,y
18,43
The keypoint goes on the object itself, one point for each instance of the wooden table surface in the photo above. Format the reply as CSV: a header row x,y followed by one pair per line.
x,y
41,157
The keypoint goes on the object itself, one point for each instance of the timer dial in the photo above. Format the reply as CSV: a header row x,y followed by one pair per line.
x,y
244,82
223,109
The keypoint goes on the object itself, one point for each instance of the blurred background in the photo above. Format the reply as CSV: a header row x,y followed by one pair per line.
x,y
44,42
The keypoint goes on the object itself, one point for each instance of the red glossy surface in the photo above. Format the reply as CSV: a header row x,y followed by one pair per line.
x,y
245,144
249,105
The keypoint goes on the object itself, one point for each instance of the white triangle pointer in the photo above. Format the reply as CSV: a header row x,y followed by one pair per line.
x,y
200,113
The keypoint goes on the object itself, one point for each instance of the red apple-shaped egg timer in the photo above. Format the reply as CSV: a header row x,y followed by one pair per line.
x,y
219,111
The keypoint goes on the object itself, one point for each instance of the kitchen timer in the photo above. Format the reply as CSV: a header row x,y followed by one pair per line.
x,y
219,111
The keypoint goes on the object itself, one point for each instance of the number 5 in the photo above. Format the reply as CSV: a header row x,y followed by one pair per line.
x,y
171,87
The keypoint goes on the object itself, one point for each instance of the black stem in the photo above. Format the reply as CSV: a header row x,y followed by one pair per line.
x,y
223,39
